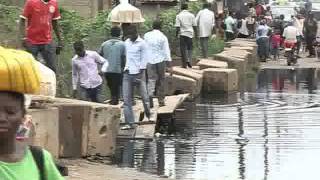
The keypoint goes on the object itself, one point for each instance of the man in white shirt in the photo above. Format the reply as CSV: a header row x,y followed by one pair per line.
x,y
206,21
230,24
291,33
134,74
159,57
186,27
85,73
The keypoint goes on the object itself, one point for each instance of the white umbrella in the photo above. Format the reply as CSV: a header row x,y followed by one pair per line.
x,y
125,13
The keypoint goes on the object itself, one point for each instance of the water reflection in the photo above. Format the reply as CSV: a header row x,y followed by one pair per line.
x,y
271,134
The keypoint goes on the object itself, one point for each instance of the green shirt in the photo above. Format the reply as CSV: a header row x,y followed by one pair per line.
x,y
27,169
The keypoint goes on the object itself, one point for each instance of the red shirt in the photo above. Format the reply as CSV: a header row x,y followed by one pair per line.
x,y
39,16
276,40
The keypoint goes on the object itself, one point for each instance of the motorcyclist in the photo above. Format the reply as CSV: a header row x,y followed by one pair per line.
x,y
290,35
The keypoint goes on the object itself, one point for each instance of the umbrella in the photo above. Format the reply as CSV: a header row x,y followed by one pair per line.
x,y
125,13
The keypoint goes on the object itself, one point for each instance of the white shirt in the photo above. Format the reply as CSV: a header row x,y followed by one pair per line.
x,y
230,22
185,21
158,47
290,33
244,29
298,23
137,56
85,70
206,21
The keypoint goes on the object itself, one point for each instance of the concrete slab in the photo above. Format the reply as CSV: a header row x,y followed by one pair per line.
x,y
172,103
145,131
190,74
235,63
103,128
218,79
210,63
46,132
177,84
93,125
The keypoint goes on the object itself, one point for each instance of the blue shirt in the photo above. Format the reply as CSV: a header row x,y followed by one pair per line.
x,y
262,31
114,51
137,55
158,47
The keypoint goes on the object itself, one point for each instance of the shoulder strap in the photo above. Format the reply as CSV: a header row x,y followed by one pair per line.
x,y
38,157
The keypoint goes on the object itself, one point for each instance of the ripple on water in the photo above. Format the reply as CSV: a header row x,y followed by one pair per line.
x,y
269,135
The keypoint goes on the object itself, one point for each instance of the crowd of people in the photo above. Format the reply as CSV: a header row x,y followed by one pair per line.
x,y
271,33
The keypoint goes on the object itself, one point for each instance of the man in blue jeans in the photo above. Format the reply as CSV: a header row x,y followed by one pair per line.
x,y
135,75
85,73
38,20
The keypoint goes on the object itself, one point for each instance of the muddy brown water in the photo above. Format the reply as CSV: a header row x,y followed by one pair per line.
x,y
271,132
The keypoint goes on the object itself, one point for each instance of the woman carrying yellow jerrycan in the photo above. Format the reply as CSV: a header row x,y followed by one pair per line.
x,y
19,75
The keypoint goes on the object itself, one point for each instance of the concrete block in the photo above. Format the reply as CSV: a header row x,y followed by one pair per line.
x,y
46,132
210,63
242,54
181,84
218,79
251,56
235,63
87,128
103,129
189,73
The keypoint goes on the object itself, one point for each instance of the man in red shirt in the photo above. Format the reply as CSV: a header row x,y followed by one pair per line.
x,y
38,19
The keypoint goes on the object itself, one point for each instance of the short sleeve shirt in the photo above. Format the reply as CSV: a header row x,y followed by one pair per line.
x,y
185,21
39,16
27,169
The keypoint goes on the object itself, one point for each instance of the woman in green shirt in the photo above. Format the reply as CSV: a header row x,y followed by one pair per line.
x,y
16,159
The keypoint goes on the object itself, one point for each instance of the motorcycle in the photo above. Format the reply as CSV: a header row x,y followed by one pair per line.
x,y
290,52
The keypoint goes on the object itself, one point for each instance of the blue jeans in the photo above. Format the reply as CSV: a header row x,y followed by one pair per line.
x,y
47,52
90,94
129,82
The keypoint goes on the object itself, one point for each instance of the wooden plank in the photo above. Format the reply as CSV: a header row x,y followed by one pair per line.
x,y
172,102
146,129
127,134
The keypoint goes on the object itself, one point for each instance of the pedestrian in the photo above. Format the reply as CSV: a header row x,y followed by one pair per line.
x,y
135,75
159,58
86,79
206,22
251,19
17,159
37,21
186,29
114,51
298,22
310,33
243,27
230,25
262,38
275,44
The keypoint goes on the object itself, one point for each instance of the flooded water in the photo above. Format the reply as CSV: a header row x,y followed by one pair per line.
x,y
270,133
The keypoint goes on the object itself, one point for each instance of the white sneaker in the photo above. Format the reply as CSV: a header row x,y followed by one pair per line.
x,y
126,127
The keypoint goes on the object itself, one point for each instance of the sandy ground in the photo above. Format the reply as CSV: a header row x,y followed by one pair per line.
x,y
84,170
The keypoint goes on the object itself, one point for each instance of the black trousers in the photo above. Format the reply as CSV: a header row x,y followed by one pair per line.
x,y
186,50
91,94
114,82
229,36
309,41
